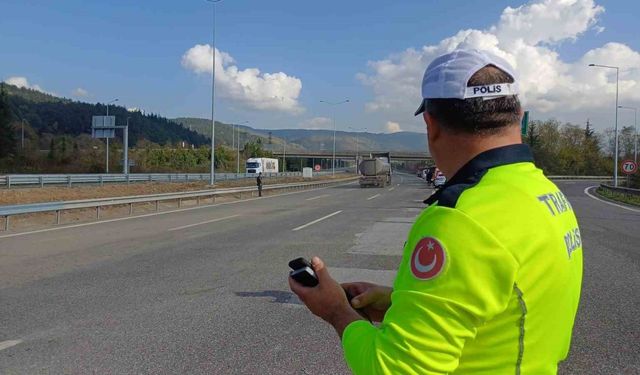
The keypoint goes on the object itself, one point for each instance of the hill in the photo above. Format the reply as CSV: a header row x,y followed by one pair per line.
x,y
312,140
322,140
225,136
48,114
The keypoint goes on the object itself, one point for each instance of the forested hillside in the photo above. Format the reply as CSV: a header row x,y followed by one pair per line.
x,y
47,114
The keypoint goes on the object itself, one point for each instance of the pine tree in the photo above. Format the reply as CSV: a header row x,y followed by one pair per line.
x,y
588,132
7,136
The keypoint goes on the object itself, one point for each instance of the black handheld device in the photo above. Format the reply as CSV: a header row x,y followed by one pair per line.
x,y
303,272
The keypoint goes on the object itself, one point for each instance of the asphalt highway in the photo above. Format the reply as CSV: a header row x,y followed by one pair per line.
x,y
204,290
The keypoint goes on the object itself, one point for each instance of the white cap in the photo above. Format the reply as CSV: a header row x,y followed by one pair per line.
x,y
447,77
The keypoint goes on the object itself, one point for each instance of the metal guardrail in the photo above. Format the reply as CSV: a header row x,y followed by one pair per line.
x,y
7,211
622,190
14,180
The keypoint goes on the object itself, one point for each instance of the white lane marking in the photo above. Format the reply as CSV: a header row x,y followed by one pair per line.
x,y
7,344
373,197
586,191
316,221
164,212
203,223
318,197
392,189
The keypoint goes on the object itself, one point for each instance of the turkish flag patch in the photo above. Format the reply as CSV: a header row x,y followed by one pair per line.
x,y
428,258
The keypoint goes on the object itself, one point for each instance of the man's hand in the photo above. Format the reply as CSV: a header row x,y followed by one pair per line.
x,y
374,300
327,300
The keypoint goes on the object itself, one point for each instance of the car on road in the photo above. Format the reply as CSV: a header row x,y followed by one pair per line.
x,y
439,180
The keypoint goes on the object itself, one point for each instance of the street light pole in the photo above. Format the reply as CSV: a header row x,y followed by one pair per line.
x,y
22,141
284,156
126,148
107,168
213,95
635,131
615,158
357,148
333,163
238,155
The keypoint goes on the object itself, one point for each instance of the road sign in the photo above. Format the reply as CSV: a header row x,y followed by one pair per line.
x,y
317,167
629,167
103,133
103,121
525,123
103,126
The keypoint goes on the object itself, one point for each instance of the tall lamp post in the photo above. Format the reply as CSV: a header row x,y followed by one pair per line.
x,y
213,94
238,156
357,147
111,102
125,137
333,163
635,131
284,155
615,157
22,138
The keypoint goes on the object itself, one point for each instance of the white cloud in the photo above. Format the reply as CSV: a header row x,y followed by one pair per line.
x,y
80,92
22,82
316,123
254,89
525,36
392,127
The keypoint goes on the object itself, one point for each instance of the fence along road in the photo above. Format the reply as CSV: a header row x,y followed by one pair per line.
x,y
201,195
14,180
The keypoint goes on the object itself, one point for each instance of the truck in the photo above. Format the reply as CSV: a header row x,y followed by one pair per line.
x,y
262,165
375,170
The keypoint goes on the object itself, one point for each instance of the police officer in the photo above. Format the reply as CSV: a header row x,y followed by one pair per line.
x,y
490,278
259,183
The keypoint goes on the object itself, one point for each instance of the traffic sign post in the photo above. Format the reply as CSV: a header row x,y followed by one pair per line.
x,y
629,167
317,167
105,127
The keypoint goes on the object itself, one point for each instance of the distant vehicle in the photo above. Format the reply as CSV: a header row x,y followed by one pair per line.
x,y
439,180
375,171
262,165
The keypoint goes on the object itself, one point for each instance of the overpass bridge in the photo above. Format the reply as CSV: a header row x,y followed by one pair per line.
x,y
395,156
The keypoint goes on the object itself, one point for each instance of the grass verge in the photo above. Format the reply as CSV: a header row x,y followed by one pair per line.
x,y
633,200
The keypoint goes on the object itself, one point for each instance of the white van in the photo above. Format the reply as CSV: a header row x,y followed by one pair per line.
x,y
262,165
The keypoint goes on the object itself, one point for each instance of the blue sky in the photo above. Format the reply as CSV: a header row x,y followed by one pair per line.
x,y
134,51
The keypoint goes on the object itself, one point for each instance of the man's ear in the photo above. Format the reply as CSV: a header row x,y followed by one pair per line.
x,y
433,127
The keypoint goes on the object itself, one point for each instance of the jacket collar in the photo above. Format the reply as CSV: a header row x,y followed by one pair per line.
x,y
475,168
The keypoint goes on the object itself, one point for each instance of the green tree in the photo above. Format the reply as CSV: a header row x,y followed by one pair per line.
x,y
255,150
626,142
7,136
